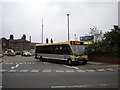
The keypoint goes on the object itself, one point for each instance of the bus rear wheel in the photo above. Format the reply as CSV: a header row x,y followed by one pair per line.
x,y
40,59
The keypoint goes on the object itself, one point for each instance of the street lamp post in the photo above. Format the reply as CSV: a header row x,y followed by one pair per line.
x,y
42,30
68,25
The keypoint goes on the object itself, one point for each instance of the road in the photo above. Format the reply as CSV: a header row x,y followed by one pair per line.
x,y
27,72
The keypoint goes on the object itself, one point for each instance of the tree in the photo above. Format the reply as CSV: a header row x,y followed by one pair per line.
x,y
113,37
109,46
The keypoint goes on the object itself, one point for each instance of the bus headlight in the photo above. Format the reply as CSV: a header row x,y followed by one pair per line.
x,y
76,59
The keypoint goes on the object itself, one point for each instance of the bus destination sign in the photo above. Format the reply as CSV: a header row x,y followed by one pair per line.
x,y
76,43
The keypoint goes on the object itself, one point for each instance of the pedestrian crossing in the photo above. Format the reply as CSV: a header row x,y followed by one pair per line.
x,y
60,71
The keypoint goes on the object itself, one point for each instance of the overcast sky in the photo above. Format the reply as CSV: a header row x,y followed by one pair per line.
x,y
20,18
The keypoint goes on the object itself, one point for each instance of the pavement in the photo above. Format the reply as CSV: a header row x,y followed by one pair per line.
x,y
102,64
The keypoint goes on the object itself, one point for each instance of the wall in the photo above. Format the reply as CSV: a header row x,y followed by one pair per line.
x,y
106,60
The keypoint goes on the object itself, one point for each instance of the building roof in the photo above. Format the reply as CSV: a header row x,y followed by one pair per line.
x,y
19,40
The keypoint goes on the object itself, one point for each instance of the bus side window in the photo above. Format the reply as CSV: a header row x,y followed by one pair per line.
x,y
66,50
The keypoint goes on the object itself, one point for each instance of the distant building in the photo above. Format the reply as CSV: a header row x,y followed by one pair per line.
x,y
16,44
5,43
0,45
32,46
19,44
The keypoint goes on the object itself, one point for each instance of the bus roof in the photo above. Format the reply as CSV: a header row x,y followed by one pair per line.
x,y
60,43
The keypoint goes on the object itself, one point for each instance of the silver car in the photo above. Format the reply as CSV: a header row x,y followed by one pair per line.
x,y
26,54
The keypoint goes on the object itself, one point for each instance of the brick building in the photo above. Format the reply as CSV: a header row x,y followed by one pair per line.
x,y
5,43
16,44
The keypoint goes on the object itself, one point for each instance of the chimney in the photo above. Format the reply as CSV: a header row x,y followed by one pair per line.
x,y
11,37
30,38
51,40
23,37
46,40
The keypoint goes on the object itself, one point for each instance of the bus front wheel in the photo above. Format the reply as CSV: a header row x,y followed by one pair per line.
x,y
84,62
69,62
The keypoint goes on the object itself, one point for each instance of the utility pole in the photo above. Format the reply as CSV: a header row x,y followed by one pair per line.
x,y
42,30
68,25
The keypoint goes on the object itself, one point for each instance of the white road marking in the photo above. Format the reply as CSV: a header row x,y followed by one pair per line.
x,y
78,86
34,70
71,66
49,70
90,70
0,87
100,70
110,69
12,71
81,71
46,63
24,70
3,70
33,63
8,63
46,70
69,70
15,66
20,63
29,63
59,71
26,63
103,84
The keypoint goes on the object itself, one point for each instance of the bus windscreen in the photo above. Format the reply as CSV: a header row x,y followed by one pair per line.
x,y
78,49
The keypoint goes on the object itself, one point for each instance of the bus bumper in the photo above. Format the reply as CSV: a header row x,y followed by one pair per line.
x,y
82,61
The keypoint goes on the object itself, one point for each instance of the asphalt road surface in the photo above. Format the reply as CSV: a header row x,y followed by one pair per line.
x,y
27,72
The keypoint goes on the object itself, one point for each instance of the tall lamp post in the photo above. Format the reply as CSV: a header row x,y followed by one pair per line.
x,y
42,30
68,25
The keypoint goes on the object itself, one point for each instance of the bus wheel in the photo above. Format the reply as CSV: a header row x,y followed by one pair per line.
x,y
40,58
69,62
36,56
84,62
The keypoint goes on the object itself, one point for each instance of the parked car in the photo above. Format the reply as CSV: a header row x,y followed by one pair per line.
x,y
17,52
1,55
4,52
10,52
23,52
26,53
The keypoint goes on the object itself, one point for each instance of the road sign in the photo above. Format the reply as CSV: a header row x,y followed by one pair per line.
x,y
86,38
